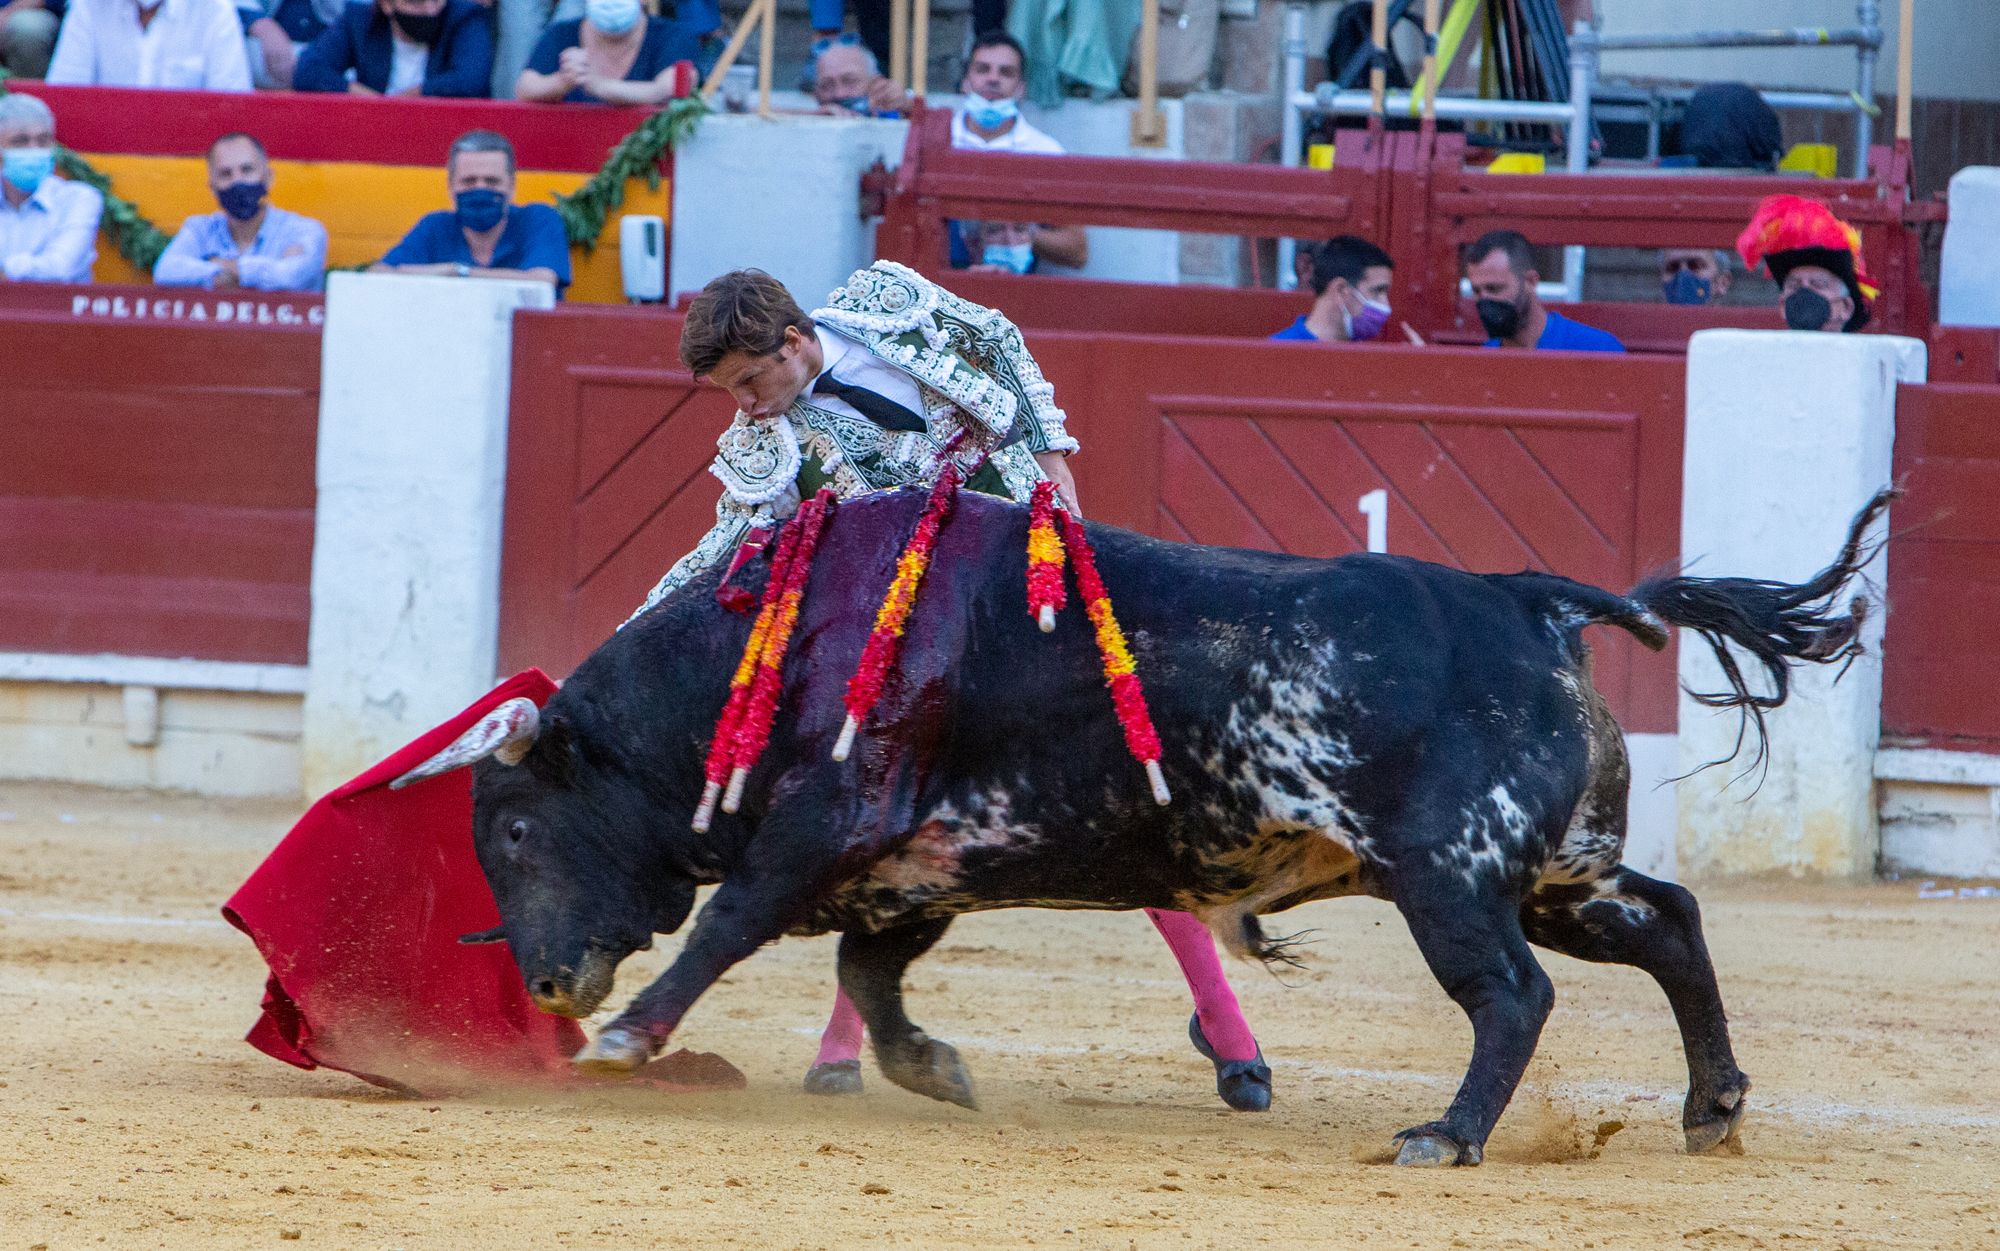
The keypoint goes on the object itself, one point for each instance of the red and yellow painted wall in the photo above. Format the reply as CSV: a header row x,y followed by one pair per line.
x,y
367,168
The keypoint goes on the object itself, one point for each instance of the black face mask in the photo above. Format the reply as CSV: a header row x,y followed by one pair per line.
x,y
1806,309
1500,317
419,28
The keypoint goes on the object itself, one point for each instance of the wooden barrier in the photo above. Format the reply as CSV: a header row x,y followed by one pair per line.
x,y
1488,461
156,473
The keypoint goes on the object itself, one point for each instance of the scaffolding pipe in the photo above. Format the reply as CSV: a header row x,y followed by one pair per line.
x,y
1864,36
1582,80
1292,134
1326,99
1864,86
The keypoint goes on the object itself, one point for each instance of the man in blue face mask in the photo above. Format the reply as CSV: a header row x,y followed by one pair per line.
x,y
485,234
248,243
990,121
48,225
1694,275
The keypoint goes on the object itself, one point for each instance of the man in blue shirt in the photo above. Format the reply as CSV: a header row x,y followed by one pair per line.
x,y
486,235
1500,265
250,243
1350,285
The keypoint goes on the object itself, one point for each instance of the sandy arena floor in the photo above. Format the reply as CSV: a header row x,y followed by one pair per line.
x,y
131,1114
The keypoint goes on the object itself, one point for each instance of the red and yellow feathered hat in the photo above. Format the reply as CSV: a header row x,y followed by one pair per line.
x,y
1788,231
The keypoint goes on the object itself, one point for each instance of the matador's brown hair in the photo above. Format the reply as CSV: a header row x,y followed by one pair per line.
x,y
745,310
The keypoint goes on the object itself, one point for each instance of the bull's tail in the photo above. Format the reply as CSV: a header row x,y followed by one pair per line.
x,y
1779,624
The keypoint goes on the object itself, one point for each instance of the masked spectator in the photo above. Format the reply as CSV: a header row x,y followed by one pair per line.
x,y
1815,258
248,243
617,53
1350,286
48,225
1500,264
990,120
848,79
28,36
1694,275
486,235
402,48
194,45
1001,247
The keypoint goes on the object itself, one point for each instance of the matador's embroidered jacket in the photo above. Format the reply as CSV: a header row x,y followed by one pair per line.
x,y
973,373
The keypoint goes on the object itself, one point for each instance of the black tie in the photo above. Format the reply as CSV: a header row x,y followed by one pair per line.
x,y
876,407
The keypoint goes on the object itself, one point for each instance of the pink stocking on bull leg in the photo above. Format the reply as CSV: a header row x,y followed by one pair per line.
x,y
1217,1027
837,1070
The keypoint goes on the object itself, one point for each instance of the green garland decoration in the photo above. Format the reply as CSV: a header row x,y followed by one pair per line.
x,y
637,155
137,239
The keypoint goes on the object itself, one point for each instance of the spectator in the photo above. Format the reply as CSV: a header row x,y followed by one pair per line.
x,y
518,26
1501,267
872,17
402,48
848,79
249,243
486,235
28,35
48,225
617,53
1002,247
1694,275
1730,126
1815,258
189,44
990,120
1350,286
277,31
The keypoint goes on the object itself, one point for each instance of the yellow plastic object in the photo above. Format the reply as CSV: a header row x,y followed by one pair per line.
x,y
1518,163
1821,160
1319,156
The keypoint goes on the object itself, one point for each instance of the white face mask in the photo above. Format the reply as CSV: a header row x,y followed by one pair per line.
x,y
613,17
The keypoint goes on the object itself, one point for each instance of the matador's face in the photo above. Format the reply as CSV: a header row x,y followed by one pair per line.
x,y
765,384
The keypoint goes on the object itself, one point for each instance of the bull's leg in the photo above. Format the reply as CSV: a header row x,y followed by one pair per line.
x,y
871,970
1218,1029
1471,938
774,882
1629,918
837,1068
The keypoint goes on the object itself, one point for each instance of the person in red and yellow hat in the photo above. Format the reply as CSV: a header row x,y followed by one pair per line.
x,y
1815,258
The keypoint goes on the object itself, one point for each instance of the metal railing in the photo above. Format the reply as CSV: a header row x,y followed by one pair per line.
x,y
1586,49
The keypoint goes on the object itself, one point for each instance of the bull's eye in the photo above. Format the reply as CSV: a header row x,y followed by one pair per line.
x,y
516,831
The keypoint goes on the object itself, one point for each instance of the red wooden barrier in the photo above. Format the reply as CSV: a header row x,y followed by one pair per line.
x,y
1488,461
1942,651
156,477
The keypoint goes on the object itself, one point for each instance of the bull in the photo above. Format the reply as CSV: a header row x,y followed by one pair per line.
x,y
1369,725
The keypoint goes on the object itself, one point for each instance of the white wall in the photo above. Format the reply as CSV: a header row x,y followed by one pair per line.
x,y
1957,52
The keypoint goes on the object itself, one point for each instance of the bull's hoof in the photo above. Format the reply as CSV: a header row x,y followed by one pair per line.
x,y
838,1077
1244,1085
1428,1146
929,1067
617,1052
1719,1127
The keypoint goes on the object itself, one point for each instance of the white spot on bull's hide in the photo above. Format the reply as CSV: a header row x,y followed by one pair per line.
x,y
930,862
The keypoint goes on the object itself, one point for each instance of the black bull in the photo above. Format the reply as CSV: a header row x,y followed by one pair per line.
x,y
1368,725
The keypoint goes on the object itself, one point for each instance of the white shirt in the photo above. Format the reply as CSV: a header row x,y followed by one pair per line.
x,y
193,45
1020,137
407,62
852,363
52,236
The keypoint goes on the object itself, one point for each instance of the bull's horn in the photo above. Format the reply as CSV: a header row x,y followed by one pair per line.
x,y
505,734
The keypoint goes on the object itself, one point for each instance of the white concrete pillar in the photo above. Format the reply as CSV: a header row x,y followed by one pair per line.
x,y
414,380
1787,435
1969,270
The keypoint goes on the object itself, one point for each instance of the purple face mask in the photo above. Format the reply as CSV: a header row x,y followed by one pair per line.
x,y
1369,322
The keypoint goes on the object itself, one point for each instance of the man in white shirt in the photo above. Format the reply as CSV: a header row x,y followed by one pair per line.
x,y
48,225
990,121
194,45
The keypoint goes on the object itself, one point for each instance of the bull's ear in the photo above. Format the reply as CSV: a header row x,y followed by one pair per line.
x,y
494,935
555,753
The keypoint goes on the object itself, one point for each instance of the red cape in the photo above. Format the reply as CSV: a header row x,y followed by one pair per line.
x,y
358,913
